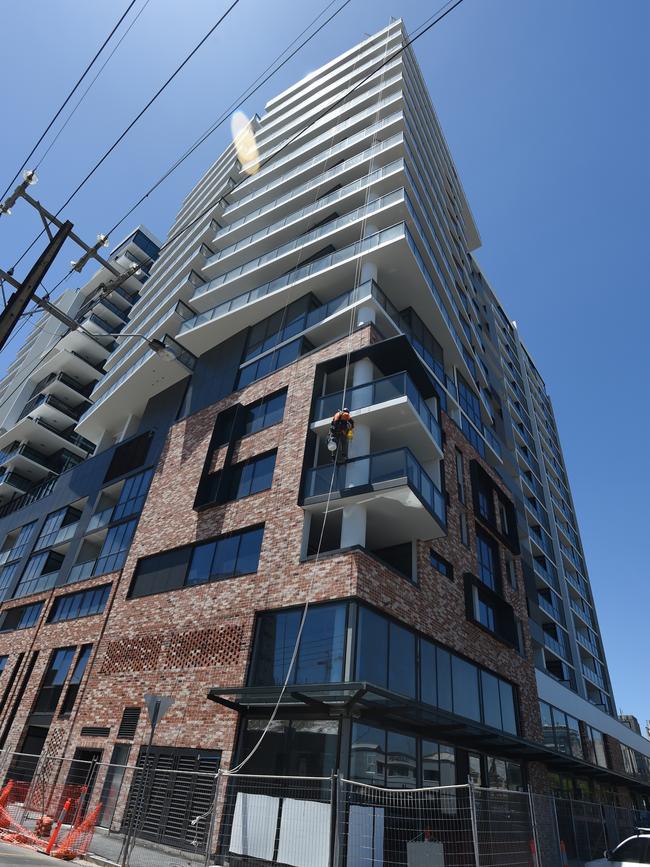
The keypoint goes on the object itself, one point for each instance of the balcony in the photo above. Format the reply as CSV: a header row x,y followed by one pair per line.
x,y
146,377
11,482
51,409
578,583
33,464
587,642
556,646
57,537
548,608
547,573
114,312
581,609
542,540
400,499
100,519
393,409
101,566
63,386
593,677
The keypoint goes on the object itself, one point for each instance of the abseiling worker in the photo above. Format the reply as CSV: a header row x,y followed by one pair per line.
x,y
341,432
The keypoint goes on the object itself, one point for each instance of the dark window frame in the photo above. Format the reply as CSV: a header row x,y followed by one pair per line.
x,y
185,565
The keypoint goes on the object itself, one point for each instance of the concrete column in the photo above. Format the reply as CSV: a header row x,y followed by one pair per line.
x,y
130,427
353,528
366,315
363,372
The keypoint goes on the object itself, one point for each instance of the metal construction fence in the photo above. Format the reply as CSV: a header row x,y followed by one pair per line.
x,y
153,815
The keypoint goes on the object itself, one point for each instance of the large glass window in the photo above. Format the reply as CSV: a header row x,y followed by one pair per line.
x,y
466,694
401,761
40,573
488,560
53,680
252,476
226,557
82,604
265,413
132,495
385,653
469,402
115,548
7,574
54,522
21,617
438,764
321,652
77,674
368,754
560,731
596,747
291,747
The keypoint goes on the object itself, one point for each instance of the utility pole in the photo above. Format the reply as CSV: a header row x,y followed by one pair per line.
x,y
26,290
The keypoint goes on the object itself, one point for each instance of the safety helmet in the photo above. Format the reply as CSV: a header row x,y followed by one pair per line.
x,y
345,409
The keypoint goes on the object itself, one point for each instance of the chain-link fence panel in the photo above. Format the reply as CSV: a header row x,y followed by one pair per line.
x,y
286,820
504,828
405,827
549,845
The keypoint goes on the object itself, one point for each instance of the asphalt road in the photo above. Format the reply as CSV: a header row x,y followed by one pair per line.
x,y
16,856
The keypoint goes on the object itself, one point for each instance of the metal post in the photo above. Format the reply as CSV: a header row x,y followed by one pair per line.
x,y
472,811
334,785
213,820
129,841
557,827
533,822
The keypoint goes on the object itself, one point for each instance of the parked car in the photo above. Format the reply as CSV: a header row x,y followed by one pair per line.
x,y
633,850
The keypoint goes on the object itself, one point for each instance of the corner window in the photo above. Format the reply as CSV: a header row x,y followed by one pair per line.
x,y
321,652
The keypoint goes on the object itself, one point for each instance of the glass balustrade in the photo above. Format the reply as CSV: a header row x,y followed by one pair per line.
x,y
388,466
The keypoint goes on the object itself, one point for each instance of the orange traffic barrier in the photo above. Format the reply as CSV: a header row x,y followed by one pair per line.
x,y
55,832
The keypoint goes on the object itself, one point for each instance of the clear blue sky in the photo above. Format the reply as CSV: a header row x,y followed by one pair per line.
x,y
545,108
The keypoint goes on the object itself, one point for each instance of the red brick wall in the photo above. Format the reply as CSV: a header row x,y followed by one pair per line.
x,y
185,642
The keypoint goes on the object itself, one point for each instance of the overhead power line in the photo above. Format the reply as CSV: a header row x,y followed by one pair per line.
x,y
85,93
69,96
130,126
259,82
423,28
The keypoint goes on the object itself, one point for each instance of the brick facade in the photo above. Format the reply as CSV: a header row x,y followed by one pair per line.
x,y
185,642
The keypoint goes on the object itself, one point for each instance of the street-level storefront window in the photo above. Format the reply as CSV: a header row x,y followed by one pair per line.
x,y
304,748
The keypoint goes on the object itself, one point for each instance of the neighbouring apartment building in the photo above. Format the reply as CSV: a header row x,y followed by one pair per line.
x,y
191,506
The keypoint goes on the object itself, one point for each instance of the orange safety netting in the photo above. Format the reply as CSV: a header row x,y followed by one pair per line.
x,y
10,830
78,839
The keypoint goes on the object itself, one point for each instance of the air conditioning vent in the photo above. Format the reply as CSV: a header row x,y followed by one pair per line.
x,y
95,732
